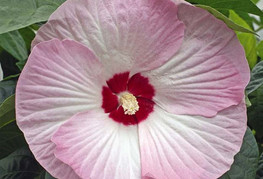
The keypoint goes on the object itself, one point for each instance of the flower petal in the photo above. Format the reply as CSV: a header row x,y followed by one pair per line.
x,y
109,101
182,146
97,147
209,72
118,83
146,107
124,34
119,116
59,80
139,86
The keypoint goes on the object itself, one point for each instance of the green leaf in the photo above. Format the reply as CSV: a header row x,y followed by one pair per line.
x,y
28,35
255,111
260,168
7,111
48,176
227,21
256,79
249,19
44,175
17,43
41,175
260,49
7,88
14,44
237,5
248,41
16,14
11,77
8,63
21,164
255,1
248,103
245,161
11,139
21,64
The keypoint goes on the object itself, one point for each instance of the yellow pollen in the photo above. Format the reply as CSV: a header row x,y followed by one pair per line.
x,y
129,103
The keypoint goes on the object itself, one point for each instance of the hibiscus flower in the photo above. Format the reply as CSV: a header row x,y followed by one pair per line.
x,y
133,89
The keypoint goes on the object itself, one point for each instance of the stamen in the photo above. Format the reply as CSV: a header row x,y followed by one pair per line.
x,y
129,103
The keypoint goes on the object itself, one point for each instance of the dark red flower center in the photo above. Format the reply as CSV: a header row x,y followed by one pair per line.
x,y
128,100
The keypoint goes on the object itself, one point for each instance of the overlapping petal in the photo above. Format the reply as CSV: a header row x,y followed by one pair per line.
x,y
209,72
97,147
59,80
182,146
126,35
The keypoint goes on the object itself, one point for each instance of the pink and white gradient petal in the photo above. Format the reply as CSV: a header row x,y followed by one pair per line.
x,y
182,146
97,147
209,72
60,79
136,35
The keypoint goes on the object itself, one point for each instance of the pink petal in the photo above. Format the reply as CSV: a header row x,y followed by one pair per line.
x,y
124,34
181,1
97,147
182,146
59,80
209,73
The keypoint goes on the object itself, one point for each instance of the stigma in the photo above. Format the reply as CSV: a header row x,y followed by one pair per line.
x,y
129,103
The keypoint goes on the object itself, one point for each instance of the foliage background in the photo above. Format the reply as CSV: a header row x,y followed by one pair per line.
x,y
20,20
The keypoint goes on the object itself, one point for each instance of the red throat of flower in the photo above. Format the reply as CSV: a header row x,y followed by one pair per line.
x,y
128,100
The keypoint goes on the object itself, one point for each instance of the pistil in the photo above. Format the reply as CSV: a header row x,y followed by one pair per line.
x,y
129,103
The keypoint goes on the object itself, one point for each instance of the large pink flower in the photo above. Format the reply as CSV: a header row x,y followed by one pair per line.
x,y
133,89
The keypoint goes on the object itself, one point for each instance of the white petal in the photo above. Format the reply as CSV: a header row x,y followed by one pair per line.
x,y
135,35
60,79
97,147
209,72
191,147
